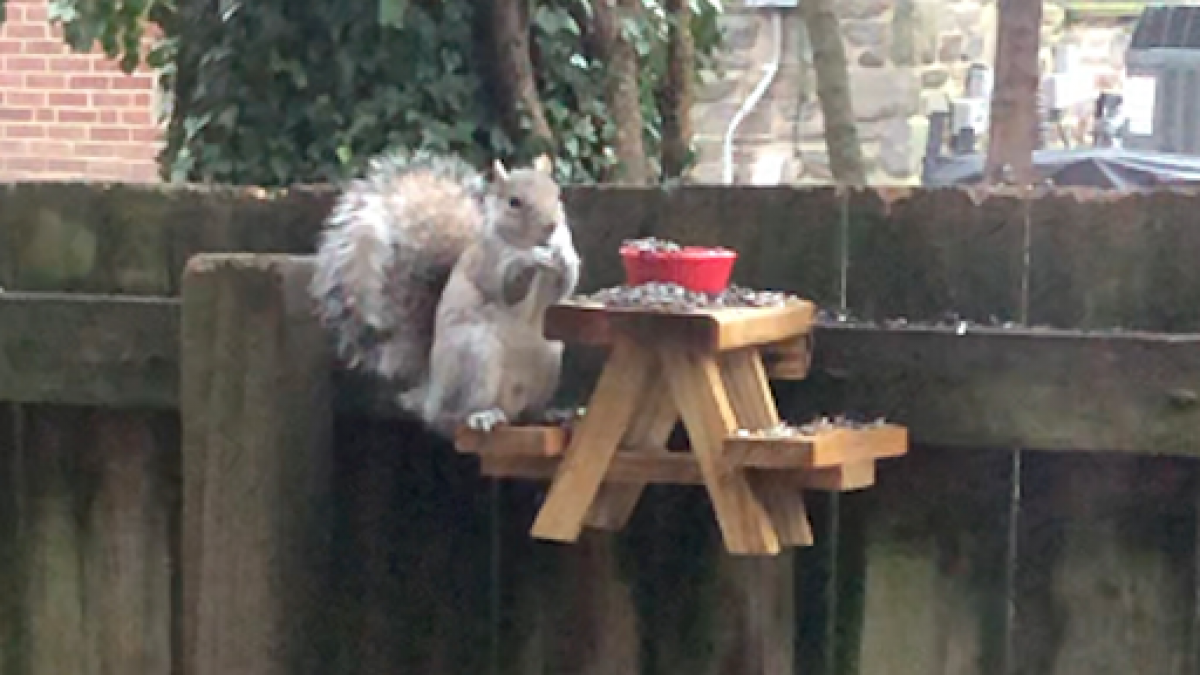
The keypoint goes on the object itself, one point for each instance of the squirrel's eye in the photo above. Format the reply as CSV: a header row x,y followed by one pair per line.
x,y
515,203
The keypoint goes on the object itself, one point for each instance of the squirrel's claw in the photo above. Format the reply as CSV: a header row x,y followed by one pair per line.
x,y
544,255
486,420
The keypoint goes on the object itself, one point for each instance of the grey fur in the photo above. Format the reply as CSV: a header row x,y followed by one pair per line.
x,y
383,286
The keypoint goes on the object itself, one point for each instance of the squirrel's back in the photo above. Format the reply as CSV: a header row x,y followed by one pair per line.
x,y
385,255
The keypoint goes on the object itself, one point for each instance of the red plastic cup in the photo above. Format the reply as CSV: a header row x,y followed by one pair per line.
x,y
696,268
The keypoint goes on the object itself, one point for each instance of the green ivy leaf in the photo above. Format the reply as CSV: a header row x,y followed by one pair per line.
x,y
391,13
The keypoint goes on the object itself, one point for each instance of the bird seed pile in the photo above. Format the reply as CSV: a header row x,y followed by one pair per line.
x,y
673,297
812,428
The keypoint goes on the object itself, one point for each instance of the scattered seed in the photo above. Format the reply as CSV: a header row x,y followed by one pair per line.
x,y
652,244
673,297
812,428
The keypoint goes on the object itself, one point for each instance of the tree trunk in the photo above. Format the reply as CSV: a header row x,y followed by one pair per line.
x,y
676,98
514,72
1013,121
833,91
621,87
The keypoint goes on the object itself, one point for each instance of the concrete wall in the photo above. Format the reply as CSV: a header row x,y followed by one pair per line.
x,y
906,58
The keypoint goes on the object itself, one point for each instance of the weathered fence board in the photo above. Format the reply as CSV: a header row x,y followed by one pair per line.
x,y
256,468
103,351
921,254
1040,390
88,557
436,573
1105,566
1120,392
931,568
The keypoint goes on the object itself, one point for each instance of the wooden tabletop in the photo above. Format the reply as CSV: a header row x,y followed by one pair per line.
x,y
713,330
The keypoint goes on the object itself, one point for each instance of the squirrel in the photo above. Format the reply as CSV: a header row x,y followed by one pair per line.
x,y
430,276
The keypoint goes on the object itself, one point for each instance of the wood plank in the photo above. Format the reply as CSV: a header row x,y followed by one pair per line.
x,y
844,478
593,444
675,468
544,441
654,419
1035,389
89,350
131,459
257,452
789,359
823,450
1048,390
703,330
696,384
754,408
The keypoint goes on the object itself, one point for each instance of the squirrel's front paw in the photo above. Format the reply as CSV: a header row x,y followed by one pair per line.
x,y
544,255
486,420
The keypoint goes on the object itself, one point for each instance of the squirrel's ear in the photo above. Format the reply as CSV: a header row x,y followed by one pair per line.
x,y
498,171
544,164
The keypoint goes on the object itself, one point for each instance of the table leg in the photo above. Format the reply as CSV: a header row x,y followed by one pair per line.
x,y
696,384
754,407
594,443
653,420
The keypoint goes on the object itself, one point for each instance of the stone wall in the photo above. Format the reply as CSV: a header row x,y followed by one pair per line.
x,y
907,58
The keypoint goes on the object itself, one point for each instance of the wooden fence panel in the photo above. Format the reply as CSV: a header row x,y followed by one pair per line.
x,y
90,500
256,468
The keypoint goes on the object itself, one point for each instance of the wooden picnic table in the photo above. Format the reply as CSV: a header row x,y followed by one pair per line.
x,y
712,370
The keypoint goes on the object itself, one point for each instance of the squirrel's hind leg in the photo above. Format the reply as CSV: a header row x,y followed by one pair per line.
x,y
465,380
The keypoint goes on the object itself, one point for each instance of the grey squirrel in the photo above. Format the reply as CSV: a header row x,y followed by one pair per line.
x,y
432,277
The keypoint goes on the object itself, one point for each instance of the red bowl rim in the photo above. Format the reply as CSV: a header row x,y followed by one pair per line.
x,y
687,253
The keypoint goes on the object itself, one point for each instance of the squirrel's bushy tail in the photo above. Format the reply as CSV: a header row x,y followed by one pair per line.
x,y
385,254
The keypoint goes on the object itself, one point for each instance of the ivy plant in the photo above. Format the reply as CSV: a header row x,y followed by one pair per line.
x,y
278,92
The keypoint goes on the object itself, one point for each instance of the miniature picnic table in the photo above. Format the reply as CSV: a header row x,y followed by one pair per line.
x,y
712,369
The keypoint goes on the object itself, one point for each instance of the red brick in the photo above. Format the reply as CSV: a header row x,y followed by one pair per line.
x,y
46,81
104,171
137,118
68,99
147,135
133,82
12,148
96,150
88,82
108,134
80,116
44,47
36,11
50,148
25,63
140,152
111,100
66,132
25,163
30,99
25,31
70,64
25,131
16,114
72,166
71,116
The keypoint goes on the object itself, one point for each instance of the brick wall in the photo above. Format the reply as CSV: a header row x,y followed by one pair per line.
x,y
66,116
